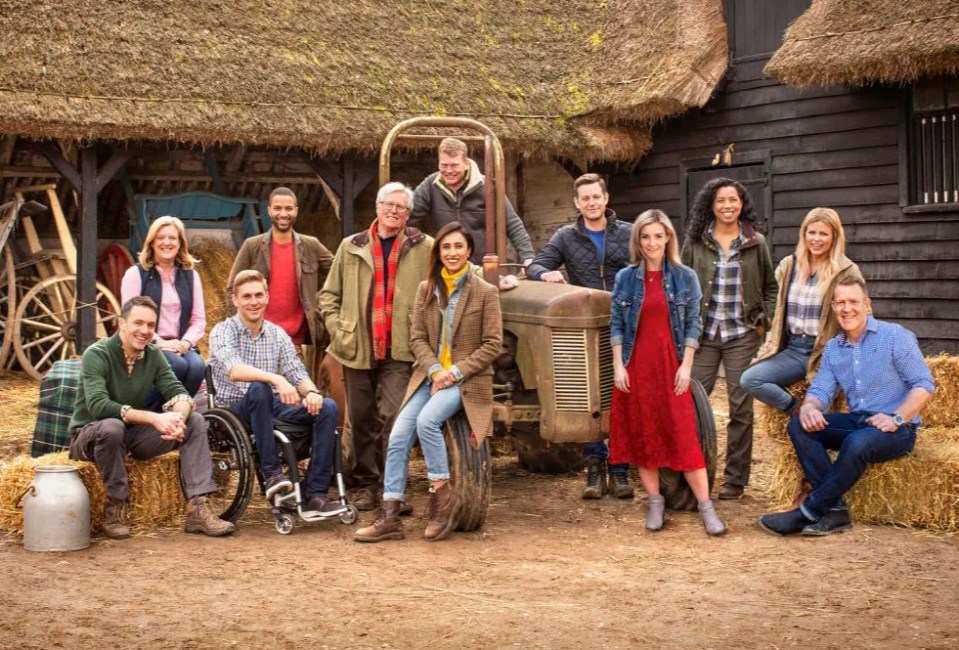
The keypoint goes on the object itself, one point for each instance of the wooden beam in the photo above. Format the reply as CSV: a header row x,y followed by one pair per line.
x,y
7,145
235,162
366,174
327,172
59,163
210,161
87,257
111,167
347,196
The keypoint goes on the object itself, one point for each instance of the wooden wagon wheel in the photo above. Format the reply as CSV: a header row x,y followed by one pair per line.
x,y
8,303
45,325
114,262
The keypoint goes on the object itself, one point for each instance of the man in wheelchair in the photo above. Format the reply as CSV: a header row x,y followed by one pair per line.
x,y
259,377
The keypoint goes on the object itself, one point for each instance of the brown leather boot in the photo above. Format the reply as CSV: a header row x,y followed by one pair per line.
x,y
201,519
116,518
442,513
386,526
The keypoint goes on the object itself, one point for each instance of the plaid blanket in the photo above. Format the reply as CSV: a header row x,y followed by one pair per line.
x,y
58,395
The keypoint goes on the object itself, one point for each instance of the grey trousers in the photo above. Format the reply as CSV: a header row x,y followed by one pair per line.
x,y
107,442
735,356
373,399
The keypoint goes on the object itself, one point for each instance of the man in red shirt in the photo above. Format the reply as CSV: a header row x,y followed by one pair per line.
x,y
295,266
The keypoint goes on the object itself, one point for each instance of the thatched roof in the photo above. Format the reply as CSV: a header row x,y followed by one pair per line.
x,y
856,42
578,78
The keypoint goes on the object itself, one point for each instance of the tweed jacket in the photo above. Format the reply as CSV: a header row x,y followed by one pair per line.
x,y
346,298
313,264
572,247
435,205
758,277
828,325
475,343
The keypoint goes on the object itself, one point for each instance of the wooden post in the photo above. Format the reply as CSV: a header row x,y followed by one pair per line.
x,y
347,200
87,257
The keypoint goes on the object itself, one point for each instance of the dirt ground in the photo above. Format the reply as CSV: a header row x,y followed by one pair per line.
x,y
548,571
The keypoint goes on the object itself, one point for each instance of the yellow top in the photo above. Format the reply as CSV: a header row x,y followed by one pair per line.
x,y
446,357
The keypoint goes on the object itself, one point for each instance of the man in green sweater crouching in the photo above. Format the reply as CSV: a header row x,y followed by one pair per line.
x,y
109,421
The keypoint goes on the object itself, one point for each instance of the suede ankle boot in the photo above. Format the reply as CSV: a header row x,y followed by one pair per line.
x,y
707,511
654,516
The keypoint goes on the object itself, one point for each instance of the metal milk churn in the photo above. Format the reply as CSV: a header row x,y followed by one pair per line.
x,y
56,510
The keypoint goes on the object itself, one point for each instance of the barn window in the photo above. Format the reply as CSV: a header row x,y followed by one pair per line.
x,y
933,135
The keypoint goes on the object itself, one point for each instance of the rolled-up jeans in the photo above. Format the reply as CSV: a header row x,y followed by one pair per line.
x,y
859,444
422,418
767,380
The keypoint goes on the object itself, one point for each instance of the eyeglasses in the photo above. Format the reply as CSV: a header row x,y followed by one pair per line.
x,y
390,206
847,304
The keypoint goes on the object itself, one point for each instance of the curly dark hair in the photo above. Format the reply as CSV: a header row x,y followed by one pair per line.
x,y
701,214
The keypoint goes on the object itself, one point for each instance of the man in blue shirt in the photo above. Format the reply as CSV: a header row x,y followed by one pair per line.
x,y
592,249
886,381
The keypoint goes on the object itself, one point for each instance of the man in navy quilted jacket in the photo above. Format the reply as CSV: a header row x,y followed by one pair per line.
x,y
593,250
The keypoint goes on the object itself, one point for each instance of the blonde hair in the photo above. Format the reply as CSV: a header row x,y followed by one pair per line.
x,y
246,276
643,220
453,147
837,251
183,258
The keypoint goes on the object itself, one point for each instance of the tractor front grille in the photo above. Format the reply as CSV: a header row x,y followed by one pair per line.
x,y
606,375
571,370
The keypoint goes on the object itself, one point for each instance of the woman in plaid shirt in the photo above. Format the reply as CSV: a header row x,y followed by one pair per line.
x,y
804,321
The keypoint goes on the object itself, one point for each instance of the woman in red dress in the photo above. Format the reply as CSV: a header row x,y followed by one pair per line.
x,y
654,332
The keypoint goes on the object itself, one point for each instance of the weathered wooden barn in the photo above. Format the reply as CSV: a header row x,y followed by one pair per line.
x,y
854,106
117,99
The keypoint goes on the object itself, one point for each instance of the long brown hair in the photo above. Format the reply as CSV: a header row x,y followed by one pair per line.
x,y
434,280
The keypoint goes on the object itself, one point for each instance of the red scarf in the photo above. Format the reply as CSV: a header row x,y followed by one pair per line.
x,y
382,296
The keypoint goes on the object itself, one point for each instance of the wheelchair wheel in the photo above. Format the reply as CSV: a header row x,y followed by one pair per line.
x,y
470,472
349,517
673,485
232,463
284,524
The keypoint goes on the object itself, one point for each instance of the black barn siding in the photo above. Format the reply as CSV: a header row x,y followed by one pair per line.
x,y
833,147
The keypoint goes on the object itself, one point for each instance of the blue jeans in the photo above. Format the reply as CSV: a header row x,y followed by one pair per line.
x,y
422,418
859,445
189,368
261,406
599,451
766,380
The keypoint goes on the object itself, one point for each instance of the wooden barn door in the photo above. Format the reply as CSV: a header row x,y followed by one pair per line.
x,y
751,169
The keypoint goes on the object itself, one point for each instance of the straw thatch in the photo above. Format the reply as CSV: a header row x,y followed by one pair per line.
x,y
578,79
156,499
921,489
857,42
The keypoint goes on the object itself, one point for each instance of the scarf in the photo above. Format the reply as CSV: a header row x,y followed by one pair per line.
x,y
382,296
451,280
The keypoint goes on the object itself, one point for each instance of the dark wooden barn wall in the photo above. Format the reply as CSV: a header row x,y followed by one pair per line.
x,y
830,147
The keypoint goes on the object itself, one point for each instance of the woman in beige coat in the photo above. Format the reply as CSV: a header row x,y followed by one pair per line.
x,y
456,335
804,320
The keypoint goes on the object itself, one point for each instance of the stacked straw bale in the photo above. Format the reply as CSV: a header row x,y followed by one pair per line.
x,y
156,499
216,261
920,490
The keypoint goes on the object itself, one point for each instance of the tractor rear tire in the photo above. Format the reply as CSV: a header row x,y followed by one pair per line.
x,y
471,473
673,485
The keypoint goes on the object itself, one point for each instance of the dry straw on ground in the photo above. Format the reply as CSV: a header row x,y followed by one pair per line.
x,y
156,499
20,395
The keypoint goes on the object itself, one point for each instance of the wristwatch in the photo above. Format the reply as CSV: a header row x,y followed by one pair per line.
x,y
898,419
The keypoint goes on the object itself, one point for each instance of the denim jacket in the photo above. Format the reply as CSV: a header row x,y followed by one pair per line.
x,y
682,293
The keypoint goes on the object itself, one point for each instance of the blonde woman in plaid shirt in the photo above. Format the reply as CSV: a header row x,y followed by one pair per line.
x,y
804,321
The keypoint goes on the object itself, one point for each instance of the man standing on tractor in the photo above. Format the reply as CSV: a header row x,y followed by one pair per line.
x,y
110,421
294,265
367,305
457,193
593,250
258,376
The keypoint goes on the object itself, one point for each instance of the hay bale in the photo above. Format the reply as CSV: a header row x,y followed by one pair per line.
x,y
156,499
943,409
919,490
773,422
216,261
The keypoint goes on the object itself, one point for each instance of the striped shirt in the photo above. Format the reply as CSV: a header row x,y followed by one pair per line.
x,y
725,319
876,372
803,305
232,343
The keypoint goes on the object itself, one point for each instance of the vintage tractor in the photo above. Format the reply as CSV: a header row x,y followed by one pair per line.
x,y
554,380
